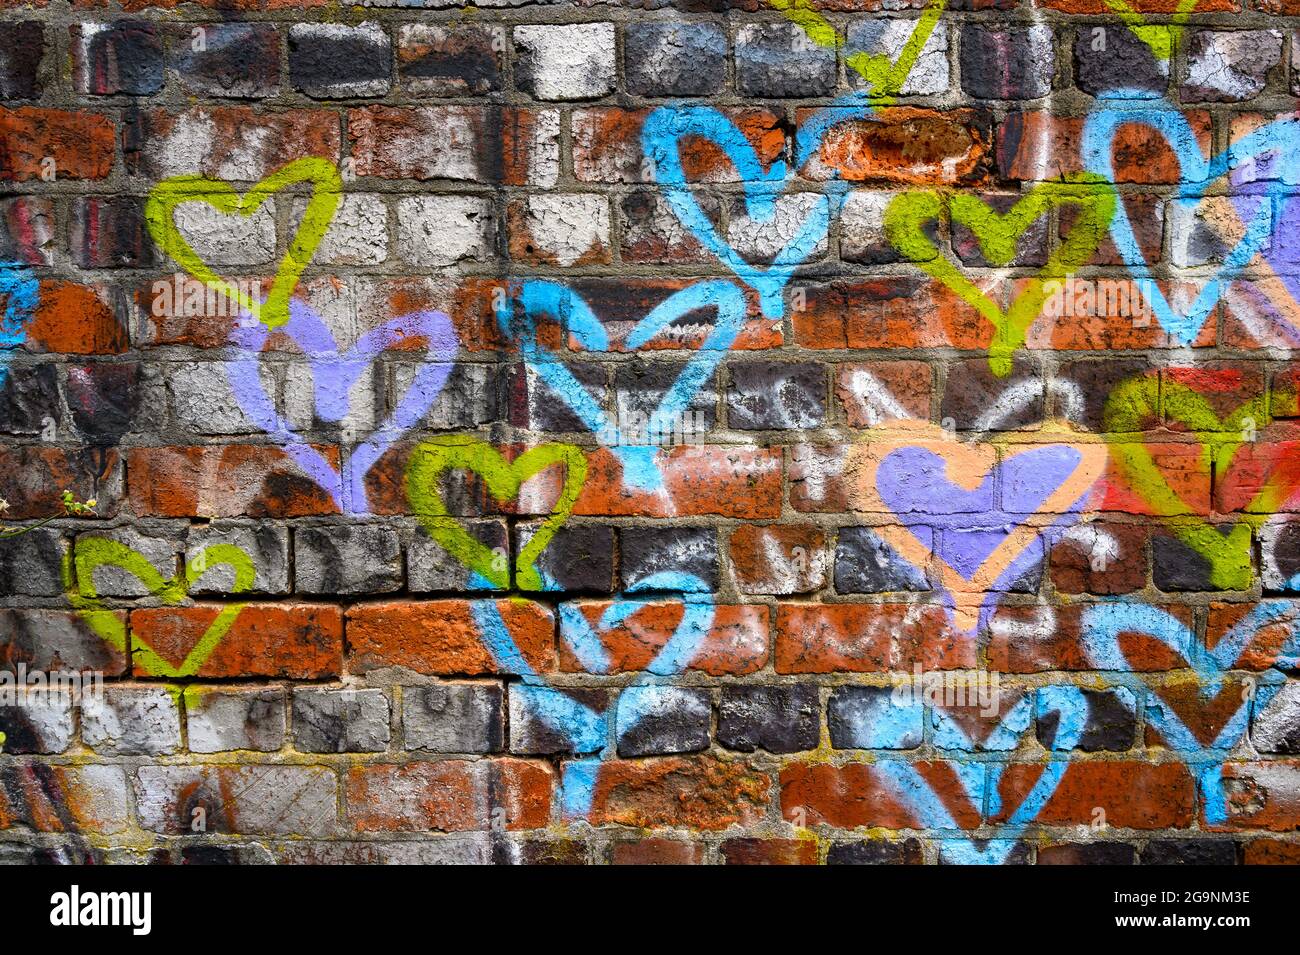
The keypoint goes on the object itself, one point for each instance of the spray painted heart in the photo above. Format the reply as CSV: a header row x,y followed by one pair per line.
x,y
989,504
1282,138
908,214
540,297
93,552
661,139
587,729
1134,403
1159,39
1068,702
432,459
19,290
1102,626
333,375
160,217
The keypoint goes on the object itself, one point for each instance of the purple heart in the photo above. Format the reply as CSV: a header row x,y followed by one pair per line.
x,y
333,375
911,482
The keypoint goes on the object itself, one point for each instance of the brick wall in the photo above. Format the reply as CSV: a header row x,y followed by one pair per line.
x,y
672,432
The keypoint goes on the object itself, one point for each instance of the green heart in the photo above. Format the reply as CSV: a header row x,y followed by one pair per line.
x,y
160,211
432,458
907,215
95,552
1135,401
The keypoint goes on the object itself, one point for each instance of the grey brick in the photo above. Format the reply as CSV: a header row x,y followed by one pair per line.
x,y
873,852
453,717
778,59
646,551
1110,723
580,557
1189,852
1275,728
266,544
1280,568
347,559
1103,55
873,717
776,395
468,399
972,390
531,734
1002,63
431,568
31,563
779,719
29,401
131,721
112,581
124,57
434,60
639,388
565,61
201,400
53,640
35,721
865,564
236,60
328,60
674,59
657,720
454,849
1229,67
24,46
340,721
930,74
221,720
252,799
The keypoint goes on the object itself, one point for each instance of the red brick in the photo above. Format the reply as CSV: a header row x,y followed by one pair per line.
x,y
1181,466
228,480
1164,7
856,794
1107,332
1272,852
1038,146
442,636
1085,566
910,312
426,142
657,852
905,145
524,789
75,320
33,479
699,480
1261,795
72,799
1133,795
778,558
81,144
287,641
736,644
1266,643
416,797
696,793
1026,640
769,852
863,637
907,382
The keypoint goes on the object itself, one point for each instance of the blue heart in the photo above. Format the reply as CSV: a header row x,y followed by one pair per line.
x,y
1198,175
1102,625
541,297
587,729
20,291
661,138
909,784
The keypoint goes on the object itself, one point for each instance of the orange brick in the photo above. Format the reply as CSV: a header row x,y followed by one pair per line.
x,y
855,638
1261,795
75,320
415,797
1133,795
699,480
293,641
905,145
33,479
228,480
81,144
443,636
695,793
855,794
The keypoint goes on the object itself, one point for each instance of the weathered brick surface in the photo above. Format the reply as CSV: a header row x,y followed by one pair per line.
x,y
662,459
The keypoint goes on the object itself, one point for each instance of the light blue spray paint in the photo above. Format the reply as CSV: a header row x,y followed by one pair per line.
x,y
1197,174
1102,625
661,138
538,297
913,788
587,730
20,292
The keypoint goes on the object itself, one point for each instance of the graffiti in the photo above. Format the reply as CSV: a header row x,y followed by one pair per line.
x,y
544,298
1134,403
661,140
1280,139
327,188
1161,40
585,728
91,553
432,459
1102,627
976,513
997,235
334,373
